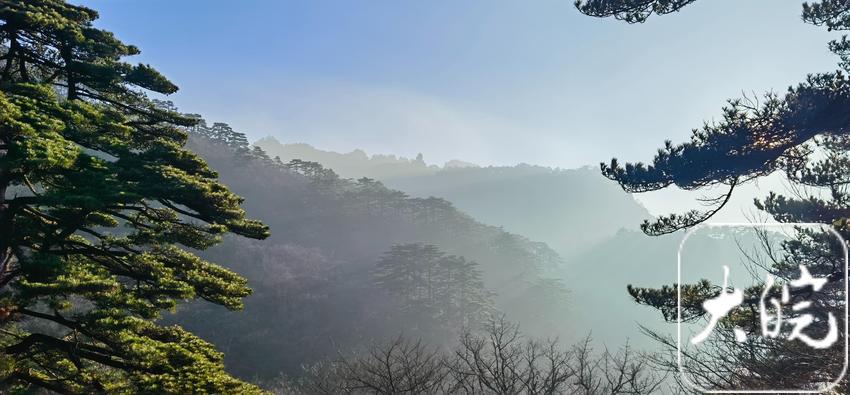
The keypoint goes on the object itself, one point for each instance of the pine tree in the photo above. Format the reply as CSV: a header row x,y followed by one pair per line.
x,y
446,288
407,271
805,134
461,297
101,209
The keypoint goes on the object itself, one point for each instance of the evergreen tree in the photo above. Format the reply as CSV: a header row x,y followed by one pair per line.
x,y
805,134
407,271
258,153
101,207
200,127
462,297
447,288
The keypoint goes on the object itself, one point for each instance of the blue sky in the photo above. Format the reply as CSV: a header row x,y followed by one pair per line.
x,y
492,82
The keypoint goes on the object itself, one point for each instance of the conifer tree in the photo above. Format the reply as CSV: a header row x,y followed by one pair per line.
x,y
408,271
805,134
448,288
101,209
461,295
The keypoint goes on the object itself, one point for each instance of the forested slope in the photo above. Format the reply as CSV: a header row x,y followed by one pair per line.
x,y
321,280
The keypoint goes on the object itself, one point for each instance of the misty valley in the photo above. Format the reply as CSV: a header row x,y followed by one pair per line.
x,y
354,267
386,197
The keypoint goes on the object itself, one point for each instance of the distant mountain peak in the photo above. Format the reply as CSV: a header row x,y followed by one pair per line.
x,y
354,164
459,164
565,208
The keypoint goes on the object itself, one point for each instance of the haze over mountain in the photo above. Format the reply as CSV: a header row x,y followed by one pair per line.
x,y
567,209
354,164
586,218
351,262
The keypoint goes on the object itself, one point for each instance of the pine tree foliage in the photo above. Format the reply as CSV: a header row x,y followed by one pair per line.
x,y
803,133
754,137
101,209
632,11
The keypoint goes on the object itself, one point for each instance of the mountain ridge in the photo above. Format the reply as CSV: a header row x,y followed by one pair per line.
x,y
534,201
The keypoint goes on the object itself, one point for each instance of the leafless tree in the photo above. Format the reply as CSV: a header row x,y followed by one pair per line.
x,y
498,360
621,372
398,367
402,367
